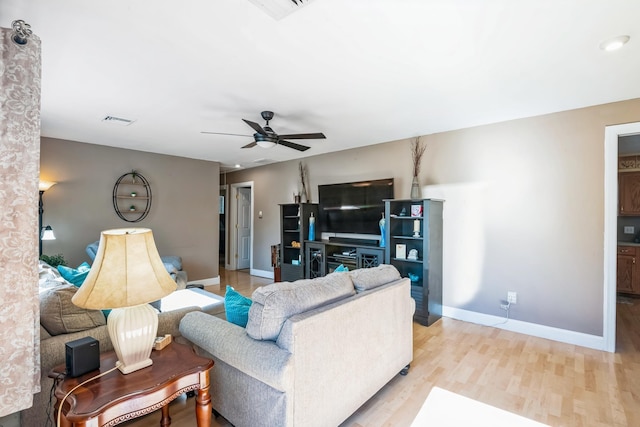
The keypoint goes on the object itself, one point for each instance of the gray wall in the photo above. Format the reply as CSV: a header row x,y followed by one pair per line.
x,y
184,210
523,210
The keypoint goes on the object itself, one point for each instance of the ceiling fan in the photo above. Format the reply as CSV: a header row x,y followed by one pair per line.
x,y
265,136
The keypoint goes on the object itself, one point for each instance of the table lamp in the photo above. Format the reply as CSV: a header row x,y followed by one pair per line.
x,y
126,275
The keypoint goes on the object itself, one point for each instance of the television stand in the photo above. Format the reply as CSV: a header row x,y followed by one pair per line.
x,y
323,257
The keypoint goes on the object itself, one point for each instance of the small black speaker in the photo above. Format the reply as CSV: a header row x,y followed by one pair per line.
x,y
82,356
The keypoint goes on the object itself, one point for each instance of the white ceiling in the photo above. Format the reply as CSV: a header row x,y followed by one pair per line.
x,y
361,71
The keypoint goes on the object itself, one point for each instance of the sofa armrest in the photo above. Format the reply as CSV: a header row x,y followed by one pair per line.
x,y
229,343
169,321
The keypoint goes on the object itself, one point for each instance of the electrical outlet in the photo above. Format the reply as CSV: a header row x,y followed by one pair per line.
x,y
629,229
512,297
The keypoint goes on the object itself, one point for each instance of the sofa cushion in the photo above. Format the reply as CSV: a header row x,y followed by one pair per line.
x,y
274,304
236,307
58,315
75,275
369,278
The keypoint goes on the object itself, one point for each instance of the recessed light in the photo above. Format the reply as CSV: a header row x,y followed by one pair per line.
x,y
238,166
614,43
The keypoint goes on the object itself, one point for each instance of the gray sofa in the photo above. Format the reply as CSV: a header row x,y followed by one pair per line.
x,y
61,322
313,351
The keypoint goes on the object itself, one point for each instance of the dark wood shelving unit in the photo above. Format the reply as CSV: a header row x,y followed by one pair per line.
x,y
294,227
426,269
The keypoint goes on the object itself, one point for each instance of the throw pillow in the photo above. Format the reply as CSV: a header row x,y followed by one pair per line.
x,y
274,304
369,278
49,276
236,307
75,275
59,315
340,268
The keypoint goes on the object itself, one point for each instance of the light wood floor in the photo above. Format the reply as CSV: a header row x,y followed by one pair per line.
x,y
553,383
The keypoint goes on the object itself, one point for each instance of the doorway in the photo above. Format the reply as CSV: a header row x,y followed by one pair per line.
x,y
240,222
612,136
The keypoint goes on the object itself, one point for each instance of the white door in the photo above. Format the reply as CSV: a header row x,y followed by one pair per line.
x,y
244,228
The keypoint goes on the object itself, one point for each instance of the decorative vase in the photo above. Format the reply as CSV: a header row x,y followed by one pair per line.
x,y
382,223
312,227
415,189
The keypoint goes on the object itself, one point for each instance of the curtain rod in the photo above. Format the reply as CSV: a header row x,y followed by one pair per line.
x,y
21,32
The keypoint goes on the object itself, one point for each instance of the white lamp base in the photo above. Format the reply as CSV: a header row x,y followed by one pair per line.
x,y
132,331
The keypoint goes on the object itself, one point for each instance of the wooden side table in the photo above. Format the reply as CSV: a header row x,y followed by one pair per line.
x,y
115,397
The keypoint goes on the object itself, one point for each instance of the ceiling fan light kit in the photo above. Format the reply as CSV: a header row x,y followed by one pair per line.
x,y
265,137
614,43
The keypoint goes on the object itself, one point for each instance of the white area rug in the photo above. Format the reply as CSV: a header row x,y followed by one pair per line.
x,y
443,408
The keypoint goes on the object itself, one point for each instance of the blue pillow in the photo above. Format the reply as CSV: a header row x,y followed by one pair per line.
x,y
341,268
75,275
236,307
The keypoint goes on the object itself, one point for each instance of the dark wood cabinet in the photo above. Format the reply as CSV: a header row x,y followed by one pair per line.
x,y
628,271
414,246
629,193
325,256
294,229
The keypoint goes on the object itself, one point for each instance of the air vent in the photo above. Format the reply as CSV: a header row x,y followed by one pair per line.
x,y
263,161
117,120
278,9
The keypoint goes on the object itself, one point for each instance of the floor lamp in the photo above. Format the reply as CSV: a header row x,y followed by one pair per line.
x,y
42,187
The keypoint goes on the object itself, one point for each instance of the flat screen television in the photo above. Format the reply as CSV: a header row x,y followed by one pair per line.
x,y
353,207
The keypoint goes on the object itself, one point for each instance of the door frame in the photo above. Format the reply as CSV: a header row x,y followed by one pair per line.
x,y
611,135
232,213
224,188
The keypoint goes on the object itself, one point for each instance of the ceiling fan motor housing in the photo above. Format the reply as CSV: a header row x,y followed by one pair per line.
x,y
270,138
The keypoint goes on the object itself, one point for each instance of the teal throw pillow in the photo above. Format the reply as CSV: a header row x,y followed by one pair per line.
x,y
340,268
236,307
75,275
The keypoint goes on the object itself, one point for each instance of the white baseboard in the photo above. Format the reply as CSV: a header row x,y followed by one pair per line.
x,y
267,274
206,282
533,329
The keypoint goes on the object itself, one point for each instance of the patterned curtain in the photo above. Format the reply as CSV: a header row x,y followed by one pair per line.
x,y
19,171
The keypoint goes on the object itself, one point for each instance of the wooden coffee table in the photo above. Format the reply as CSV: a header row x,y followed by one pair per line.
x,y
115,397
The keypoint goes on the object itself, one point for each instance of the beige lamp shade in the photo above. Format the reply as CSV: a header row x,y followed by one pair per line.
x,y
127,271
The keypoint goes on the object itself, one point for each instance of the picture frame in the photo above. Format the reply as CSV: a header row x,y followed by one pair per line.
x,y
416,211
401,251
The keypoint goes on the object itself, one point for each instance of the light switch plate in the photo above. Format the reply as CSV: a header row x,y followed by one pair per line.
x,y
629,229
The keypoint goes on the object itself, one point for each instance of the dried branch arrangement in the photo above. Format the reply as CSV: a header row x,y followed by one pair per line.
x,y
417,150
303,179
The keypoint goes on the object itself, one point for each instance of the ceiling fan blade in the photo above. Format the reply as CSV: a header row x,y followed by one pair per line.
x,y
252,144
222,133
304,136
293,145
255,127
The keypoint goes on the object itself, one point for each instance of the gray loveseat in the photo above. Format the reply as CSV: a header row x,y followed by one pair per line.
x,y
313,351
